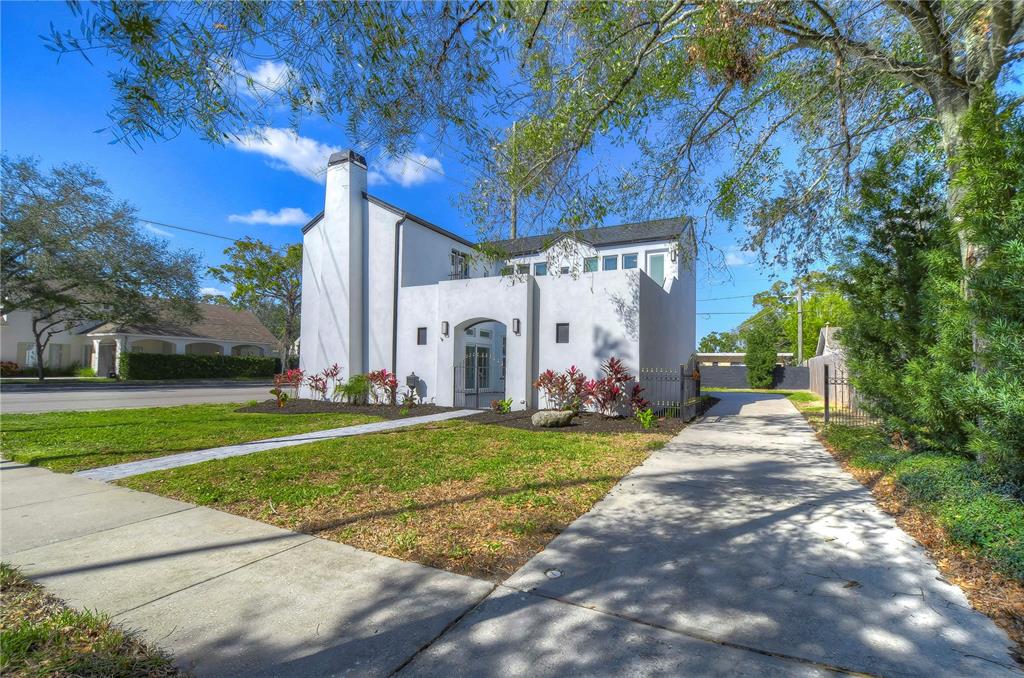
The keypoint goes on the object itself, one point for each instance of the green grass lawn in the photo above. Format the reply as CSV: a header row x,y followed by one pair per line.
x,y
472,498
41,636
71,441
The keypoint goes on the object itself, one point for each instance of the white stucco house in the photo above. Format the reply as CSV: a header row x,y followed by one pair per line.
x,y
219,330
383,288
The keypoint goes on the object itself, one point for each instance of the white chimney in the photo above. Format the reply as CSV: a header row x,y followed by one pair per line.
x,y
334,284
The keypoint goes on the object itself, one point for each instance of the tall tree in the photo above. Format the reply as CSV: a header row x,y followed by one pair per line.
x,y
71,254
720,342
686,81
268,282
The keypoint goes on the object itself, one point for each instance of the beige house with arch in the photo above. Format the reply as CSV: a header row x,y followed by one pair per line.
x,y
220,330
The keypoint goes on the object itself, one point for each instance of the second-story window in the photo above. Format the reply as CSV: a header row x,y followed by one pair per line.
x,y
523,269
540,268
459,266
629,261
590,264
610,262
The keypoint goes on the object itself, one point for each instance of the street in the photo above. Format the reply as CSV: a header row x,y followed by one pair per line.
x,y
47,399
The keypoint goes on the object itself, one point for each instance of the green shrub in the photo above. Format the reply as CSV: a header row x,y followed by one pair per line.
x,y
356,390
86,372
193,366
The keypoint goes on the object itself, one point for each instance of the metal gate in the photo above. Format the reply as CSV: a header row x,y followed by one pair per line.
x,y
475,385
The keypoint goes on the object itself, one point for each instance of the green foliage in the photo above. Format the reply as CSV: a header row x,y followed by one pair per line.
x,y
70,253
721,342
969,502
356,390
85,372
193,366
937,350
762,353
645,417
268,282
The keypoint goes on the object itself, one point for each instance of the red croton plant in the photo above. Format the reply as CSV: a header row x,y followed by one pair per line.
x,y
385,385
610,395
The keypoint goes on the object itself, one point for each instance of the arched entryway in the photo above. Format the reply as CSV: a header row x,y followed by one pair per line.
x,y
246,350
204,348
480,349
151,346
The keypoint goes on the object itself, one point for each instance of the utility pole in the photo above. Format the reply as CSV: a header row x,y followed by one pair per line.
x,y
799,324
513,226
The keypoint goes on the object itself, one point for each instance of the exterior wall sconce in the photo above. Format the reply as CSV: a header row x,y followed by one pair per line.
x,y
444,328
515,326
672,254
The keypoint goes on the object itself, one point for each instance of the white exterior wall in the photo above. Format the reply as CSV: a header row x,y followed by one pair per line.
x,y
602,310
17,329
380,277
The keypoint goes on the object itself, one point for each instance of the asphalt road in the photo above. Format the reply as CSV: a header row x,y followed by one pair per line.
x,y
116,397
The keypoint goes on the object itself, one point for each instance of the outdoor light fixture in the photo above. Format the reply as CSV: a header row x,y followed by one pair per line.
x,y
515,325
412,381
444,328
672,255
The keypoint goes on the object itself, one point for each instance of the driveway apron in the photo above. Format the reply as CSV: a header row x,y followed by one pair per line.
x,y
741,540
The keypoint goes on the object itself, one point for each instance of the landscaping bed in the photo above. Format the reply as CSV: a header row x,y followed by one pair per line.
x,y
588,422
309,406
463,495
73,441
41,636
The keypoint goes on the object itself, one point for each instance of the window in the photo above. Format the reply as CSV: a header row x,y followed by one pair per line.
x,y
523,269
421,336
55,353
610,262
564,270
485,334
628,261
656,267
471,332
506,270
590,264
540,268
459,266
562,333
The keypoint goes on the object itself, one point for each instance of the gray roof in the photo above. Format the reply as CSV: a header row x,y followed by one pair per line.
x,y
640,231
216,321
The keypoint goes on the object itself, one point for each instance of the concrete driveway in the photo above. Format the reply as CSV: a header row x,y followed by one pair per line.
x,y
741,548
102,397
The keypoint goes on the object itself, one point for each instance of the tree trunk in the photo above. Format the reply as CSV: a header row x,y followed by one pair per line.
x,y
40,347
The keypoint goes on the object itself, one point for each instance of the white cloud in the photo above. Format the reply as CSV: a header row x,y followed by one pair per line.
x,y
286,216
407,170
266,79
737,257
158,231
289,151
213,292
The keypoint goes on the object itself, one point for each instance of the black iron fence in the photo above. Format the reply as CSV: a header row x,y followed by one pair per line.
x,y
673,392
842,405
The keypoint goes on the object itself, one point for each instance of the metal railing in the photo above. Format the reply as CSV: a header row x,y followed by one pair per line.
x,y
842,406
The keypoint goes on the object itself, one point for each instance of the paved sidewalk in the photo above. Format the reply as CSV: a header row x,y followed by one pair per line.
x,y
134,468
741,548
228,596
104,397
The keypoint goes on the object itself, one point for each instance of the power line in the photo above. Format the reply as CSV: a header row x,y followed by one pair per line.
x,y
741,296
182,228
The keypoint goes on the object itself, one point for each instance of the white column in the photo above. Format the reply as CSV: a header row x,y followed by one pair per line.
x,y
225,348
179,346
120,346
95,362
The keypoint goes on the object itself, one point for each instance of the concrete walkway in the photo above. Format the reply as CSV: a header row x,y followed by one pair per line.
x,y
228,596
103,397
134,468
741,548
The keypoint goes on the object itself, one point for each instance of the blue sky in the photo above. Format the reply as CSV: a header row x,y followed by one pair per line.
x,y
52,110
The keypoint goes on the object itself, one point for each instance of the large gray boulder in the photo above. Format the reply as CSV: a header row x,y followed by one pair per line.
x,y
552,418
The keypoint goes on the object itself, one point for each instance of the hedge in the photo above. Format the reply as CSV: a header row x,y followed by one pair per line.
x,y
193,366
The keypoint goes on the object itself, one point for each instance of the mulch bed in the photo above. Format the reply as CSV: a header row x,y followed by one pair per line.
x,y
584,423
305,406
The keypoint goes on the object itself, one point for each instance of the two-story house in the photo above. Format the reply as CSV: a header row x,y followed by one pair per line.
x,y
383,288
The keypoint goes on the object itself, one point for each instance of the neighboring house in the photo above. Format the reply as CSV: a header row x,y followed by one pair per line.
x,y
382,288
829,352
220,330
729,359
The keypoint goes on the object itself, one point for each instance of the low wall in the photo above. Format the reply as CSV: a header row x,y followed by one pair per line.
x,y
735,376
